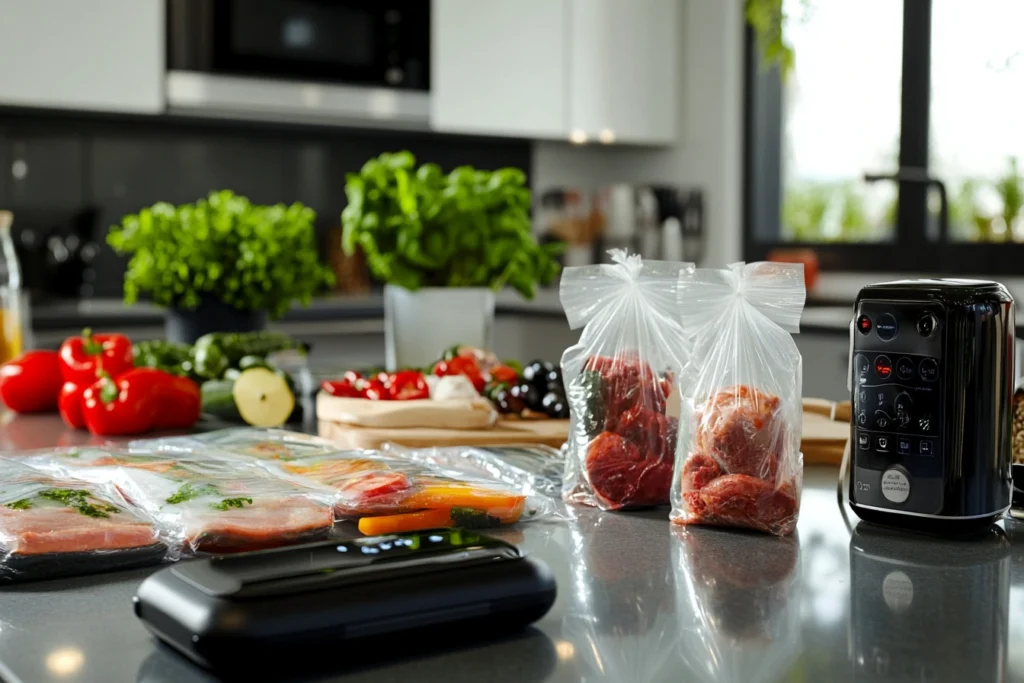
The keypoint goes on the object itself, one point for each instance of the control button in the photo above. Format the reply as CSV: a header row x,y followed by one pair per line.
x,y
864,324
929,370
882,420
903,445
863,441
925,423
926,447
883,367
862,418
883,444
861,363
902,418
895,486
904,368
886,327
903,402
926,325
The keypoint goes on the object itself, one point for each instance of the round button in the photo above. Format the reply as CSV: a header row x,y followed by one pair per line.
x,y
883,367
861,363
895,485
864,324
886,327
929,370
926,325
904,368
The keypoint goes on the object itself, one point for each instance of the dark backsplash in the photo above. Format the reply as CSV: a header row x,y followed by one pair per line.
x,y
79,174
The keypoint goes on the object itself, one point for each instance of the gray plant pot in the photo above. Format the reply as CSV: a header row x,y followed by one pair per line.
x,y
212,315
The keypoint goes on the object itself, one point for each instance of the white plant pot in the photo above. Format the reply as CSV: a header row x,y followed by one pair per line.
x,y
420,325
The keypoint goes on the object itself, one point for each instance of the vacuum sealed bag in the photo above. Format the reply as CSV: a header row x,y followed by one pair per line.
x,y
619,377
531,469
271,444
391,494
739,446
203,504
51,527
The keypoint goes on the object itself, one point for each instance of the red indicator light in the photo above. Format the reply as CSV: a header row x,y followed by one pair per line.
x,y
864,324
883,367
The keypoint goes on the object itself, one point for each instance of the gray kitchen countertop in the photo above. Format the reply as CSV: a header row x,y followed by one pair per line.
x,y
639,601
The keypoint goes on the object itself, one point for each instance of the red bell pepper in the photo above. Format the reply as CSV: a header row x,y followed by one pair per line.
x,y
408,385
139,400
462,365
82,357
70,405
31,382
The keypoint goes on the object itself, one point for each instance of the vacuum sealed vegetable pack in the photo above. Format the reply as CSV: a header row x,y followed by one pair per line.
x,y
739,460
272,444
390,494
53,527
619,378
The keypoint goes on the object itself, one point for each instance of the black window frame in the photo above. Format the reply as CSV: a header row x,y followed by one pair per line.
x,y
919,244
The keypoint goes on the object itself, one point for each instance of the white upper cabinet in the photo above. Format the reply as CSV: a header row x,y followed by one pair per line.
x,y
587,70
105,55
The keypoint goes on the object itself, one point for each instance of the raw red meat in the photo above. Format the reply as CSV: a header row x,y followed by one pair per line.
x,y
56,529
655,482
650,431
266,523
745,501
741,427
698,471
613,468
628,382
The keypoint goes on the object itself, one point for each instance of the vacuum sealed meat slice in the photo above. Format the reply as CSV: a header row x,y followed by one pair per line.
x,y
61,527
269,444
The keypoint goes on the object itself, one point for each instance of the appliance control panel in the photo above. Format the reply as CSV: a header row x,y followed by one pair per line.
x,y
897,384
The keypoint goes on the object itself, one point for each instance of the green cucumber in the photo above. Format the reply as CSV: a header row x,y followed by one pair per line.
x,y
219,400
252,362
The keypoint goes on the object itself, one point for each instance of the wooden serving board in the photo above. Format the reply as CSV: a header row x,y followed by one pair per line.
x,y
826,428
505,432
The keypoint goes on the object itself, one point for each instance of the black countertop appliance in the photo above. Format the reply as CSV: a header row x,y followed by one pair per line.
x,y
932,392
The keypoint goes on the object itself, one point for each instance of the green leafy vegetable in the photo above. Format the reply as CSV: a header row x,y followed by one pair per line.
x,y
23,504
188,491
249,256
471,518
78,499
418,227
231,503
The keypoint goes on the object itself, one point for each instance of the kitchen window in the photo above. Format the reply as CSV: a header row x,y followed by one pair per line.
x,y
895,143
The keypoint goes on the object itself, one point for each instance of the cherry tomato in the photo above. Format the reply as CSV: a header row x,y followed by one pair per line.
x,y
375,484
505,374
377,390
342,388
408,385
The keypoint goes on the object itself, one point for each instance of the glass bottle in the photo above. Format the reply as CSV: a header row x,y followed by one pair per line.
x,y
12,309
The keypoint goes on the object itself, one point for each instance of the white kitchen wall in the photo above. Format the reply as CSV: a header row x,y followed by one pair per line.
x,y
709,151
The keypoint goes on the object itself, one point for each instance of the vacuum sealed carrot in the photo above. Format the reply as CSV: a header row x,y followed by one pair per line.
x,y
740,463
619,377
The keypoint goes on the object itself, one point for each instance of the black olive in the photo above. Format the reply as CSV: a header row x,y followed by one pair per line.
x,y
550,399
558,410
535,371
509,404
555,387
554,375
530,395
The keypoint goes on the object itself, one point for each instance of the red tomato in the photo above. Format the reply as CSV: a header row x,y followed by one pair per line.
x,y
377,390
503,373
408,385
342,388
375,484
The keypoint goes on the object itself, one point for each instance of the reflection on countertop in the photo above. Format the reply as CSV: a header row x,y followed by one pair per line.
x,y
639,601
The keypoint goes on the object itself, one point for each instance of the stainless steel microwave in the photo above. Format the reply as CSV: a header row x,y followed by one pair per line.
x,y
338,61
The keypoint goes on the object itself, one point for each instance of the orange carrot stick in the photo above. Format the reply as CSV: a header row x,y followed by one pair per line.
x,y
409,521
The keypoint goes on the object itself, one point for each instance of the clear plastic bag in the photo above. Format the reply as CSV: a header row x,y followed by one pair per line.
x,y
54,527
270,444
739,458
619,377
389,494
533,469
203,504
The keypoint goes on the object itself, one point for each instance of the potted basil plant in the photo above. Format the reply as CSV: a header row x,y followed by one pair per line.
x,y
442,244
222,264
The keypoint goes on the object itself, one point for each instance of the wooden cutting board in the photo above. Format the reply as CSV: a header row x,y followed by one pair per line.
x,y
825,432
506,431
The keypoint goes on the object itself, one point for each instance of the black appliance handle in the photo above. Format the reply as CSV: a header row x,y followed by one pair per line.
x,y
920,176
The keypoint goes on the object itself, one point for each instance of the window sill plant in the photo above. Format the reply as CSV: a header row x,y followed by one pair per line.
x,y
221,264
442,243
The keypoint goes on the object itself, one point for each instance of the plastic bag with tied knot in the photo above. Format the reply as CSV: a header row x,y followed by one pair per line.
x,y
619,378
739,461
